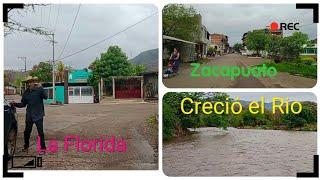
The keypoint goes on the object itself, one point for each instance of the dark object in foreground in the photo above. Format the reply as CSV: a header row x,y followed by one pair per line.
x,y
10,129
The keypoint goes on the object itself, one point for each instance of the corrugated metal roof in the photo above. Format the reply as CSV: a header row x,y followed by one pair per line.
x,y
176,39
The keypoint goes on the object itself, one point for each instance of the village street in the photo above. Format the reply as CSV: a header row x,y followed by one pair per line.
x,y
124,118
184,79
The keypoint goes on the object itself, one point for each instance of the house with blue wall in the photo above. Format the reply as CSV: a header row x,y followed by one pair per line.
x,y
75,89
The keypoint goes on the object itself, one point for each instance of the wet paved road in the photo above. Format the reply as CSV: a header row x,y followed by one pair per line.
x,y
240,152
184,80
90,121
282,79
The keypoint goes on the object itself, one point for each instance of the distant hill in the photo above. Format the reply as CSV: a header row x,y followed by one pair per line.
x,y
14,76
246,104
148,58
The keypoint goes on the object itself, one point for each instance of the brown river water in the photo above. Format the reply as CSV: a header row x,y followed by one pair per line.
x,y
240,152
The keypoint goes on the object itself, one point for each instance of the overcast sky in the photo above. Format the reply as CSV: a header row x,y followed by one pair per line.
x,y
252,96
94,23
234,19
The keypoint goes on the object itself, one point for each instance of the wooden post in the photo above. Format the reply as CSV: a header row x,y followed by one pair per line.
x,y
101,89
141,87
66,87
113,88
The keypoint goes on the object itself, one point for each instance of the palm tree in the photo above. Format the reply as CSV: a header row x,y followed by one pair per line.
x,y
6,79
60,71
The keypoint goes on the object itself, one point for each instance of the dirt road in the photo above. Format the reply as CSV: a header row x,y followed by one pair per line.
x,y
184,79
90,121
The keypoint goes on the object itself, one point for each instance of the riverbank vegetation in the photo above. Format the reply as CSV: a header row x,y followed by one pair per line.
x,y
176,124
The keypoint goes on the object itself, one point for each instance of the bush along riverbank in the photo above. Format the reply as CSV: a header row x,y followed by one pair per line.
x,y
176,123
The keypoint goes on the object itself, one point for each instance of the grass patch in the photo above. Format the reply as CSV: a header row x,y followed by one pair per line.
x,y
152,121
308,58
305,70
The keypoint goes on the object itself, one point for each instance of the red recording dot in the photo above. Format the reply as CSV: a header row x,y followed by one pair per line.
x,y
274,26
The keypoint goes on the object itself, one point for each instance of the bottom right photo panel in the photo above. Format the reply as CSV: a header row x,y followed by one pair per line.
x,y
239,133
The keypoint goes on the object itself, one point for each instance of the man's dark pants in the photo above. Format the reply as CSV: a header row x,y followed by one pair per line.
x,y
28,130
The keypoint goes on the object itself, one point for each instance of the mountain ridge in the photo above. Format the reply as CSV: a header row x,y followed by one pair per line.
x,y
148,58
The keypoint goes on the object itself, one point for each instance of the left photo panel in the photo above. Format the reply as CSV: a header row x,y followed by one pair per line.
x,y
80,87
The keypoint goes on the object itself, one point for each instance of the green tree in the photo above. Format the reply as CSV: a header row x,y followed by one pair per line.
x,y
43,71
292,45
18,81
174,121
114,62
6,78
253,120
137,69
60,68
211,50
274,47
237,47
170,121
257,40
181,22
308,115
236,120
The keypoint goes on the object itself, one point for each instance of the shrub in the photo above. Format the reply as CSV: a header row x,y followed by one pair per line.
x,y
169,121
308,115
236,121
308,62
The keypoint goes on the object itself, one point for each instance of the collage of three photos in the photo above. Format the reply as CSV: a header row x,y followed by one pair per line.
x,y
82,81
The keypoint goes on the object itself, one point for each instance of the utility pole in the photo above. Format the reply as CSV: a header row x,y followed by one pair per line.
x,y
25,62
53,73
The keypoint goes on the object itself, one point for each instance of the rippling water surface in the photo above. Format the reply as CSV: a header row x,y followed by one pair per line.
x,y
240,152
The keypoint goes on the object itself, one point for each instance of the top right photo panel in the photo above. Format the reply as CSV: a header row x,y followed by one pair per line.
x,y
239,46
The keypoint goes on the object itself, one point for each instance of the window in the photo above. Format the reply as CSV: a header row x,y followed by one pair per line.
x,y
49,93
77,91
70,92
86,91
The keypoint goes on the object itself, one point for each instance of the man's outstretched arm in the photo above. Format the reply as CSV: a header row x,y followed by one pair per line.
x,y
22,104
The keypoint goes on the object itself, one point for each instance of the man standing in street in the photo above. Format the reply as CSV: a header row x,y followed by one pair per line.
x,y
33,99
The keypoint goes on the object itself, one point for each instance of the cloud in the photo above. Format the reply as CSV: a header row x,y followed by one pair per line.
x,y
236,19
94,23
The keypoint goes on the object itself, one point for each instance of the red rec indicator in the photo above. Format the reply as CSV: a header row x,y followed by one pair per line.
x,y
274,26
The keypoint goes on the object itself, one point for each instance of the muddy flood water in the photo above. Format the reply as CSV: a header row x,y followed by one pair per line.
x,y
240,152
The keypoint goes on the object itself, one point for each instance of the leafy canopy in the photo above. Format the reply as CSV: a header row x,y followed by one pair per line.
x,y
114,62
257,40
43,71
181,22
237,47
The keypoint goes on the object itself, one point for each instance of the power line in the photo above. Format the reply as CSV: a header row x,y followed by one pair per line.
x,y
41,16
49,16
58,14
128,27
74,21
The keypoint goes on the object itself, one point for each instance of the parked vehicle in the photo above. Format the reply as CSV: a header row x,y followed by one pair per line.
x,y
10,128
243,53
